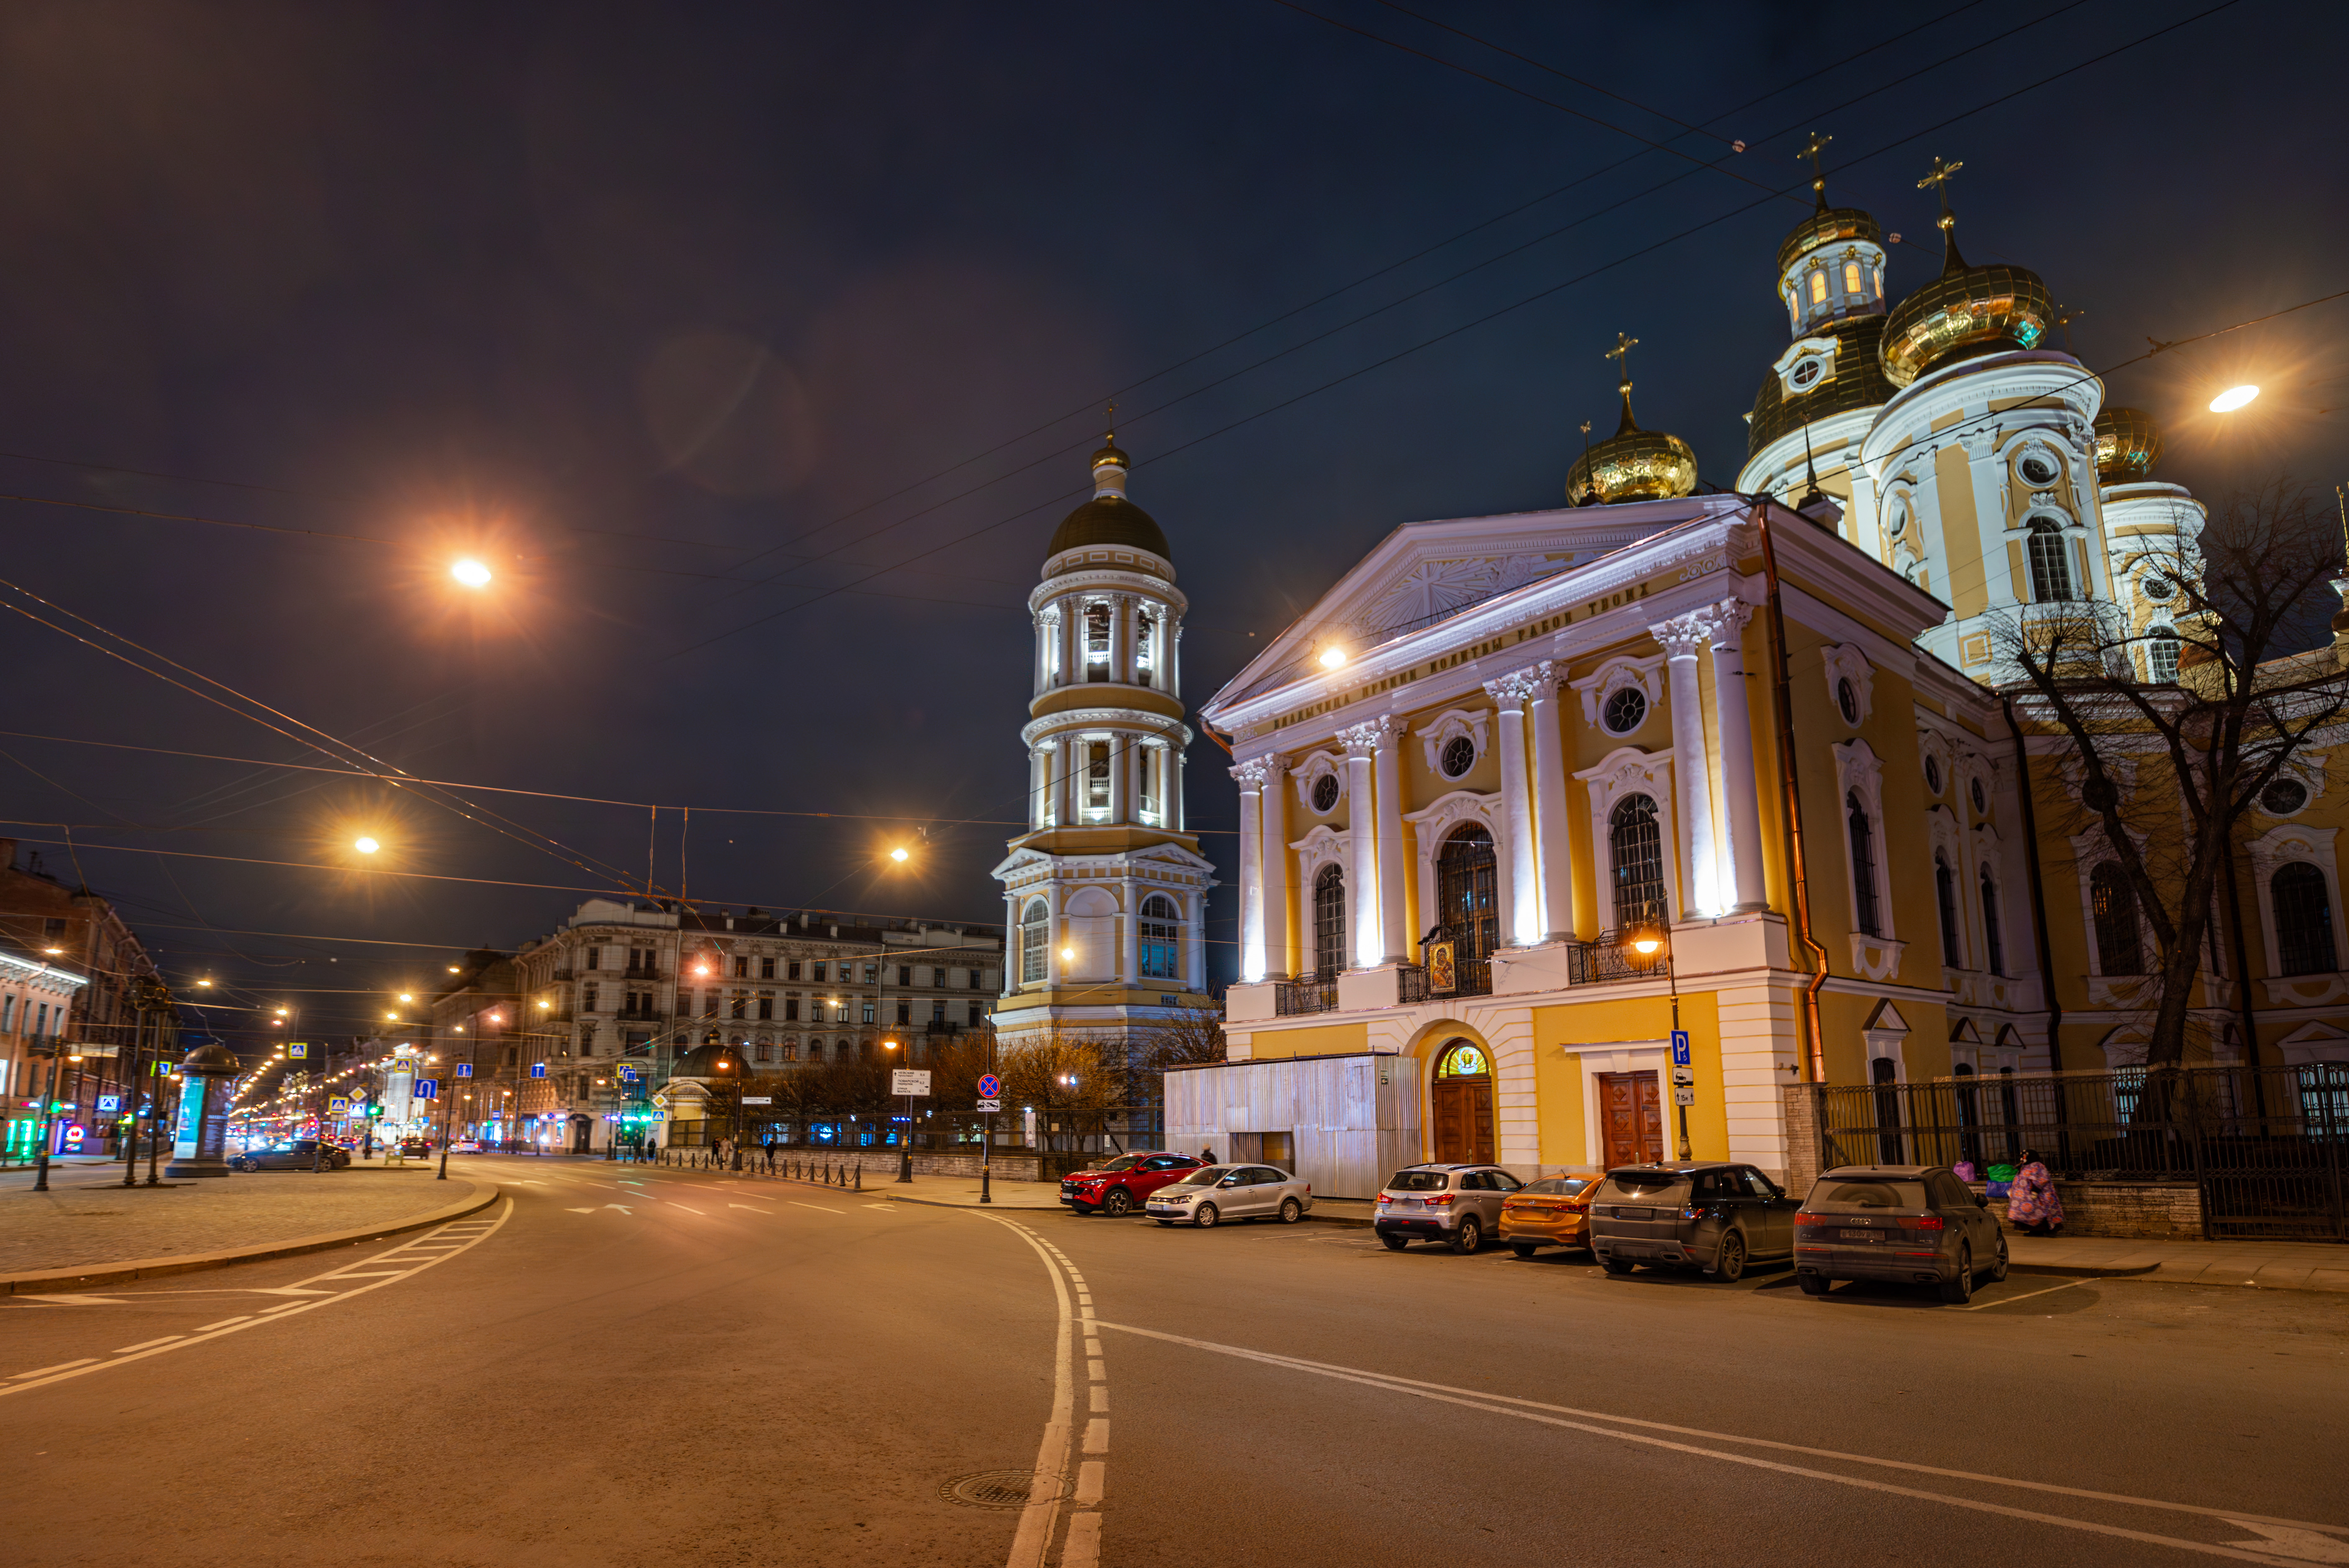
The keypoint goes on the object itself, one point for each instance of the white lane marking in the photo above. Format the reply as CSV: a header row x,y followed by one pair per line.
x,y
1100,1400
1097,1435
579,1211
147,1344
223,1324
2301,1545
283,1307
1082,1548
364,1274
24,1380
623,1208
1531,1411
1039,1520
2051,1290
1089,1484
751,1206
60,1366
1093,1371
817,1207
682,1208
75,1300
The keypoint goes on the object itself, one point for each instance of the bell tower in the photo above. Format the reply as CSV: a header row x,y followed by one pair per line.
x,y
1105,894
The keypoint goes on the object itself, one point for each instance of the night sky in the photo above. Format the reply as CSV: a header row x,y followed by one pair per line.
x,y
758,349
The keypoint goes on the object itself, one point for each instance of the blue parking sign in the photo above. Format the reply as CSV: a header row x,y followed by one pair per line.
x,y
1680,1048
464,1069
538,1069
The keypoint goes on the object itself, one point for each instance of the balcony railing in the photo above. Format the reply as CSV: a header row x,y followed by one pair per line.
x,y
563,973
1612,958
1291,998
640,1016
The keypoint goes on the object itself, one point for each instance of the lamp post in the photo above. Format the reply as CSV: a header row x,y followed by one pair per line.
x,y
53,1049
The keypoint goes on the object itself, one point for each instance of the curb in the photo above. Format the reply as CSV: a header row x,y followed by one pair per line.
x,y
482,1196
2082,1270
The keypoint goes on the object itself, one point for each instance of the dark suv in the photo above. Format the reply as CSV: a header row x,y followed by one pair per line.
x,y
1118,1188
1915,1224
1695,1214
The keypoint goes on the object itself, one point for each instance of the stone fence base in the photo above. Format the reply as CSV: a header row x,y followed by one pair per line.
x,y
2152,1211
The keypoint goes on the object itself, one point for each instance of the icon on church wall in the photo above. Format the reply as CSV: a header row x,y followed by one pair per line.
x,y
1443,978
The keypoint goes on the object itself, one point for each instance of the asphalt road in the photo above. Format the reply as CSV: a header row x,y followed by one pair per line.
x,y
650,1367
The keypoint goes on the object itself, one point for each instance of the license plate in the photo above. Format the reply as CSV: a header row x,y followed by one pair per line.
x,y
1865,1236
1635,1214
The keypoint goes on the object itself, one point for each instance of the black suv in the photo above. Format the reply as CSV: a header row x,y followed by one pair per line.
x,y
1698,1214
1914,1224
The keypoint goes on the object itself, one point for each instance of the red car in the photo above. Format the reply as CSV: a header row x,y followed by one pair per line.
x,y
1118,1188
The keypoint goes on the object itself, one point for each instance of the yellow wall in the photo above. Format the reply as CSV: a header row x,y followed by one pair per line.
x,y
1561,1033
1320,1040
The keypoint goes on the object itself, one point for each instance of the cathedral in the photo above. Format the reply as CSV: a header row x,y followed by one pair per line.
x,y
1592,834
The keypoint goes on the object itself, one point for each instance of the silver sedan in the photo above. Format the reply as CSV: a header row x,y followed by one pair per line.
x,y
1215,1193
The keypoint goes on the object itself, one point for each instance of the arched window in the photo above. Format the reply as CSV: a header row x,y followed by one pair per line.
x,y
1329,920
1945,895
1467,897
2162,654
2303,919
1993,938
1818,285
1097,642
1635,855
1145,641
1034,934
1863,866
1851,277
2113,902
1161,929
2051,565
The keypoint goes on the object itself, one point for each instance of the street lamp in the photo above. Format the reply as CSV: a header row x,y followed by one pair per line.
x,y
2233,398
366,845
470,573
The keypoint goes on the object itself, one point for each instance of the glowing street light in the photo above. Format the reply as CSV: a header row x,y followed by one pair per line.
x,y
470,573
899,854
1332,657
367,846
2233,398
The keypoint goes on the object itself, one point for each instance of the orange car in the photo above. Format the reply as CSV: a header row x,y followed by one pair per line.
x,y
1552,1212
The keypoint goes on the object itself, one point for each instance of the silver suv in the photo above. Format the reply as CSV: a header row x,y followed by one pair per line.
x,y
1458,1204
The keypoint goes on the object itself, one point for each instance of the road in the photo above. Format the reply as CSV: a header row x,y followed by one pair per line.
x,y
640,1367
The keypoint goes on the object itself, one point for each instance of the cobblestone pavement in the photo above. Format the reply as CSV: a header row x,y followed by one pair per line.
x,y
86,1216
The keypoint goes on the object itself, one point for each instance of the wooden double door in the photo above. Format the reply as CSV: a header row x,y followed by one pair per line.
x,y
1630,1118
1461,1107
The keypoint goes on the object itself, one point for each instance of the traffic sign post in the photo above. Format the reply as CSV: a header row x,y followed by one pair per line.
x,y
990,1107
990,1087
464,1069
1680,1048
912,1083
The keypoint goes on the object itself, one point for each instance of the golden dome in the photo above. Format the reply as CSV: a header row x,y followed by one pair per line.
x,y
1632,465
2127,445
1966,311
1824,227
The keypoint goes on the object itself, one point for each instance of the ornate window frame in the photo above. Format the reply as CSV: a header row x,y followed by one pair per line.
x,y
1624,670
1451,724
1933,744
1948,846
1322,845
1886,1035
1628,770
1845,661
2287,842
1432,825
2305,769
1308,770
1859,771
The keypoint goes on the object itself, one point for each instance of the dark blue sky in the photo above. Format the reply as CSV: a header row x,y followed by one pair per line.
x,y
621,297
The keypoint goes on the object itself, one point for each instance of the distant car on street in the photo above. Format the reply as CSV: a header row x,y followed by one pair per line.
x,y
1211,1194
1915,1224
1122,1186
1690,1214
1552,1212
1459,1205
291,1154
466,1146
415,1147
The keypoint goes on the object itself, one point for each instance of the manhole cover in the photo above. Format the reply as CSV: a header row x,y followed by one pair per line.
x,y
999,1488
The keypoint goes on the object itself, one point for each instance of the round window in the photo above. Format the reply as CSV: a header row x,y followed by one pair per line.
x,y
1463,1062
2159,588
1625,711
1933,774
1805,374
1982,802
2284,797
1847,701
1900,523
1325,792
1459,756
2098,794
2038,469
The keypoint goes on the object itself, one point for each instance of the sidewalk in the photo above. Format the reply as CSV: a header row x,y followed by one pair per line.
x,y
2272,1265
89,1227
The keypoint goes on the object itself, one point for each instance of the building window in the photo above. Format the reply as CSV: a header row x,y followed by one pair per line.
x,y
1818,285
1851,277
1160,927
792,970
1459,756
1325,794
1329,921
904,974
872,973
41,1024
1863,866
1626,710
791,1009
1097,777
1847,700
1467,897
1993,938
1097,642
2161,655
2051,565
2113,902
7,1015
904,1013
2303,919
766,1009
766,1052
816,973
868,1012
742,968
766,969
709,1005
1034,934
594,958
1142,628
1945,896
977,1012
1635,856
741,1008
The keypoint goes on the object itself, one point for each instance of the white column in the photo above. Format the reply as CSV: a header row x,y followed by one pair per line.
x,y
1691,776
1553,839
1174,789
1053,935
1362,827
1120,776
1195,944
1250,777
1121,639
1734,717
1043,655
1039,786
1174,658
1072,615
1520,885
1010,943
1056,789
1394,928
1279,954
1129,947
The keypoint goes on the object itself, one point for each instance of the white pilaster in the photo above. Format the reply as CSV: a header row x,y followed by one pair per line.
x,y
1691,777
1120,773
1553,837
1250,778
1173,788
1733,717
1129,921
1361,827
1394,928
1279,957
1520,884
1072,616
1121,639
1195,943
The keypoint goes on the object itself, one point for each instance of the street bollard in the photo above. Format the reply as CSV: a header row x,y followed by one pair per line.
x,y
860,1176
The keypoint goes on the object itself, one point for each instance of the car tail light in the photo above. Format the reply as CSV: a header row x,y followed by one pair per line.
x,y
1810,1218
1926,1222
1440,1200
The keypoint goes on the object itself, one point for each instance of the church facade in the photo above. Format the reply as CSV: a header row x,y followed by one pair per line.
x,y
1526,797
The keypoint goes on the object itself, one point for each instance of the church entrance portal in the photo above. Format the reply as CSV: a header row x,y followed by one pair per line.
x,y
1461,1105
1630,1118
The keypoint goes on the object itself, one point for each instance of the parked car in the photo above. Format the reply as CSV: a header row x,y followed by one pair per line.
x,y
466,1146
415,1147
1456,1204
1916,1224
1690,1214
1120,1187
1214,1193
1552,1212
291,1154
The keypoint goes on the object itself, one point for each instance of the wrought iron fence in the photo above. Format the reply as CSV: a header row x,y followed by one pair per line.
x,y
2268,1147
1316,994
1612,959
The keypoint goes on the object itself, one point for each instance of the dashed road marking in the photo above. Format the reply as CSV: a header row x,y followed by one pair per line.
x,y
817,1207
224,1323
145,1344
60,1366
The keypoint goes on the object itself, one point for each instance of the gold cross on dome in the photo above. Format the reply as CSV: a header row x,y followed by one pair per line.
x,y
1940,179
1622,350
1818,145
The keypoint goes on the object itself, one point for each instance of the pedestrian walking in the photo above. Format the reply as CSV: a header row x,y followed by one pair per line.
x,y
1206,1156
2031,1203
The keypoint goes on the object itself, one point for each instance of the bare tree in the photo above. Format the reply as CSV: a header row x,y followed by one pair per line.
x,y
2168,762
1193,1035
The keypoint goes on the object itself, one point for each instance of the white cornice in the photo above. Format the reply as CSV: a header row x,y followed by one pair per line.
x,y
28,972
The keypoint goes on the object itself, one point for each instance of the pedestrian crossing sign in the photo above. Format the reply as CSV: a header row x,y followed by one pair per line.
x,y
299,1050
338,1102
